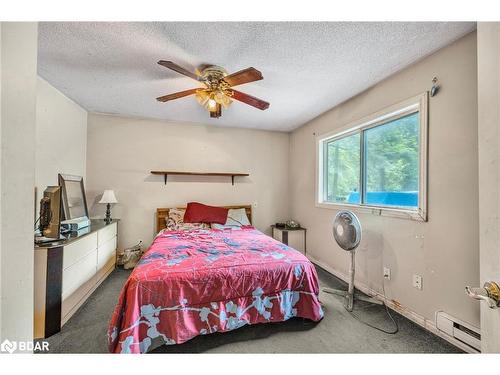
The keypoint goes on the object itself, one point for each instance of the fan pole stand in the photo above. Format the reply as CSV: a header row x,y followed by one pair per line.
x,y
349,293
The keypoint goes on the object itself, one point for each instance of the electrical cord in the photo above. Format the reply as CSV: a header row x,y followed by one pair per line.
x,y
36,222
393,332
396,326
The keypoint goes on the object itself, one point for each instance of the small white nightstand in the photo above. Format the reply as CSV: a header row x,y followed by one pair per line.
x,y
293,237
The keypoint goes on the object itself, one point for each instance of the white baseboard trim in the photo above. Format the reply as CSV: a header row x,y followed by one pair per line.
x,y
396,306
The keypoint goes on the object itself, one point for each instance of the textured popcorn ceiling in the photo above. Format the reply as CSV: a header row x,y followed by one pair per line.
x,y
307,67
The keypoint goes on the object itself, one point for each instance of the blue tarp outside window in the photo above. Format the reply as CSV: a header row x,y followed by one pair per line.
x,y
387,198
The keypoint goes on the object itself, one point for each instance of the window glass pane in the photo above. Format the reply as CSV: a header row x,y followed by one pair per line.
x,y
392,163
342,170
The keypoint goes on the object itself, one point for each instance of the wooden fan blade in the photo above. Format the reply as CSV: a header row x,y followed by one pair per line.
x,y
250,100
176,95
177,68
243,76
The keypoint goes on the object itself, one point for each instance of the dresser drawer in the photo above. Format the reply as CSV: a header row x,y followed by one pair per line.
x,y
297,240
277,234
79,249
78,274
106,233
105,252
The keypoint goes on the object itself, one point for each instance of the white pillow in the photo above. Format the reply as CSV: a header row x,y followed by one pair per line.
x,y
237,217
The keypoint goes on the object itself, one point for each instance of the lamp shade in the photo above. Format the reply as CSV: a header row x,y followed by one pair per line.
x,y
108,197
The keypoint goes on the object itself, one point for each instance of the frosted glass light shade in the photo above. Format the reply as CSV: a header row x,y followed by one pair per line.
x,y
108,197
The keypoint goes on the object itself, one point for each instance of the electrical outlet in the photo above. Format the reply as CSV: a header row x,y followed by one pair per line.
x,y
387,273
417,282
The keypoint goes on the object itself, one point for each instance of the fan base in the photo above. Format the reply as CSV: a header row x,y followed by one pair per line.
x,y
349,298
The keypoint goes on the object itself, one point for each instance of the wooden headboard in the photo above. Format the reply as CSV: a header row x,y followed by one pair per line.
x,y
162,214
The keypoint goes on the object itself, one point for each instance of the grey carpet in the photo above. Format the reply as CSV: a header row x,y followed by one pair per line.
x,y
338,332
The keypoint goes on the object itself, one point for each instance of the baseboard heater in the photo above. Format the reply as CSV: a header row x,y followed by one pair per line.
x,y
459,330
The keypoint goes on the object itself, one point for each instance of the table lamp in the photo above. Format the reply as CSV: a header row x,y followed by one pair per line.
x,y
108,197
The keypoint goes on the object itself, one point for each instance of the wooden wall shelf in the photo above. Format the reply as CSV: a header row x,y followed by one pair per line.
x,y
166,173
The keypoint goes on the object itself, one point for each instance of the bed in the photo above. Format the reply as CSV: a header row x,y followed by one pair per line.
x,y
201,281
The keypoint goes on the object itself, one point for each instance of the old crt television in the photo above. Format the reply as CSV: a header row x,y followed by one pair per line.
x,y
50,212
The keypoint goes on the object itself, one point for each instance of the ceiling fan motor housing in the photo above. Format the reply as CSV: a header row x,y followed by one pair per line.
x,y
213,75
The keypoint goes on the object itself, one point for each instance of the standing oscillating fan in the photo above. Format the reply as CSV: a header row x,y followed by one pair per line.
x,y
347,233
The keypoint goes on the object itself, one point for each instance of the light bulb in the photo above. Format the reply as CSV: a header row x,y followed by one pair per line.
x,y
212,105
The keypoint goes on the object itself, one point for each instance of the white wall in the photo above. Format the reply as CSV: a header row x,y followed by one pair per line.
x,y
43,133
488,57
17,158
61,136
122,151
445,249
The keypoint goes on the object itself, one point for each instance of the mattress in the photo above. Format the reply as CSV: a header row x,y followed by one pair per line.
x,y
198,282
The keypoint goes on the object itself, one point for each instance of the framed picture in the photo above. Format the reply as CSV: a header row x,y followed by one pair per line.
x,y
73,197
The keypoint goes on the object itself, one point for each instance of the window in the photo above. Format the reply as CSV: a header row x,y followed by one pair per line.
x,y
379,163
342,168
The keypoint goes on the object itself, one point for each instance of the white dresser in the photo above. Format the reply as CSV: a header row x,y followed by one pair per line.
x,y
66,274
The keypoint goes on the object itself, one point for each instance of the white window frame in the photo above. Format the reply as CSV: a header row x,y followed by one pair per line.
x,y
417,103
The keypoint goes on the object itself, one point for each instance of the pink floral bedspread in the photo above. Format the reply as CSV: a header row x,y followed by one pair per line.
x,y
192,283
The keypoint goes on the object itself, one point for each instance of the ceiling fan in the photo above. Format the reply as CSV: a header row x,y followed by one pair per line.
x,y
218,91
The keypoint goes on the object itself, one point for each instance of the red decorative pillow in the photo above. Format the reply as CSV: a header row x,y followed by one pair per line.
x,y
201,213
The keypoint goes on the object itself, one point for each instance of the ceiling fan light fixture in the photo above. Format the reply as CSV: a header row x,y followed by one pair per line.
x,y
218,91
202,97
222,98
211,98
